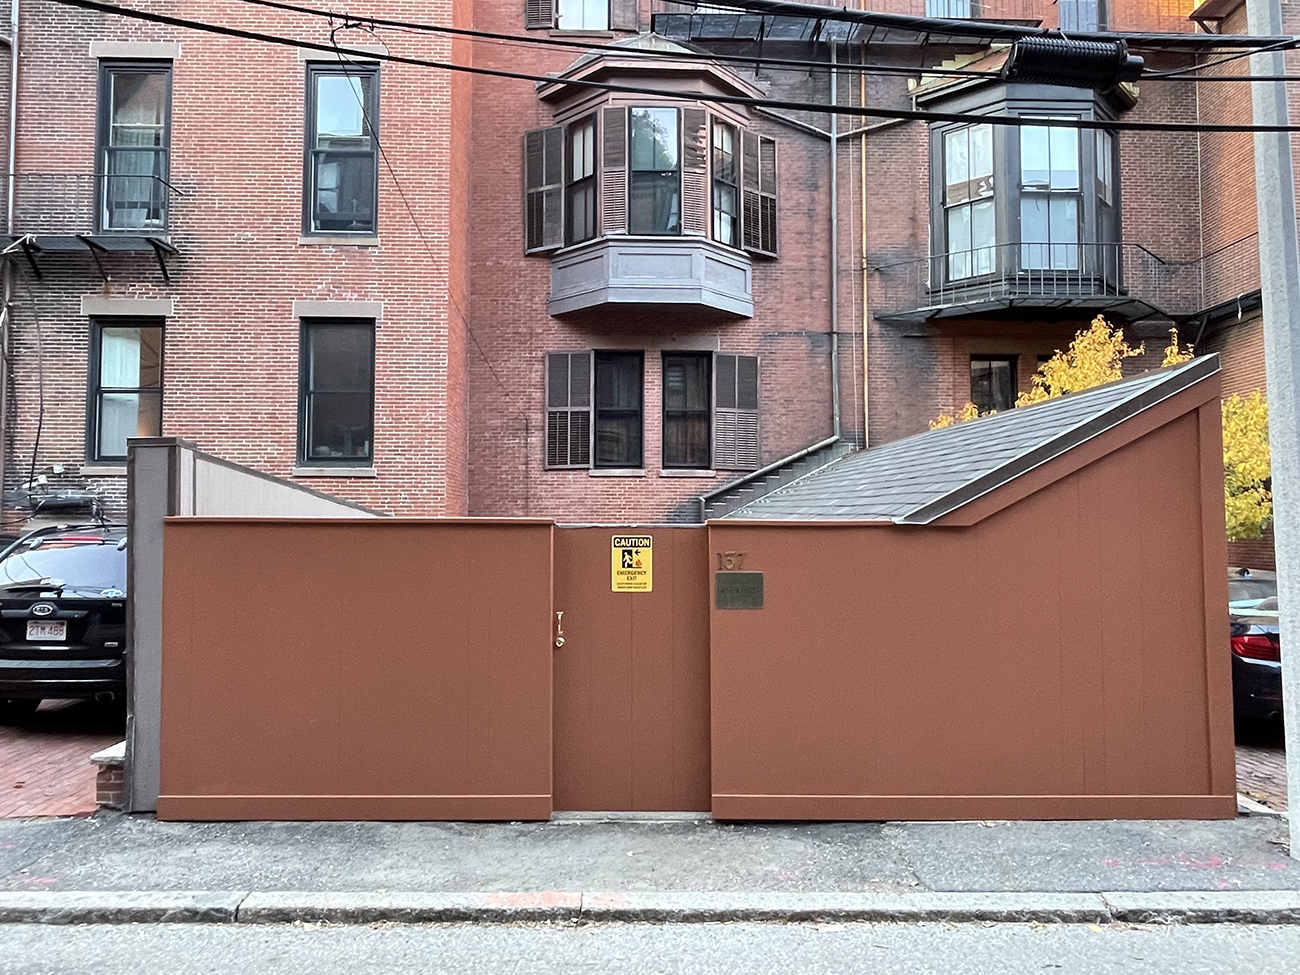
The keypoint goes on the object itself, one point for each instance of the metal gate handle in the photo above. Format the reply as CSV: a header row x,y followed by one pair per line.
x,y
559,629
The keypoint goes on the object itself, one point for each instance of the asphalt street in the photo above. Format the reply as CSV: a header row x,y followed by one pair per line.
x,y
708,949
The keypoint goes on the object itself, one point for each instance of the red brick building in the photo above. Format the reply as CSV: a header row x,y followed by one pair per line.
x,y
597,297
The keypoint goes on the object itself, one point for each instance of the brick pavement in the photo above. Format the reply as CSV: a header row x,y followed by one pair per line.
x,y
45,765
1261,766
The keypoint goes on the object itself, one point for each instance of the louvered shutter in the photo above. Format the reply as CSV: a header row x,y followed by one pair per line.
x,y
758,194
539,13
735,413
543,189
613,173
568,409
695,173
624,15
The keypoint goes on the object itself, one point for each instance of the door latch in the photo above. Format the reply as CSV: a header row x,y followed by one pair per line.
x,y
559,629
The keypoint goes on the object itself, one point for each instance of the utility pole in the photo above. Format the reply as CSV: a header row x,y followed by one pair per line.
x,y
1279,268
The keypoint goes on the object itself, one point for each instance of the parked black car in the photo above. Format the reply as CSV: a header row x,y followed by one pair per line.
x,y
1256,662
62,616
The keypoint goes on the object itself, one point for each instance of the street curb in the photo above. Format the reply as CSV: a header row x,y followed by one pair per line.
x,y
119,907
346,907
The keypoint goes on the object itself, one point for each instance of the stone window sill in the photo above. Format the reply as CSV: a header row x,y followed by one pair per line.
x,y
686,472
561,32
615,472
333,472
104,470
341,240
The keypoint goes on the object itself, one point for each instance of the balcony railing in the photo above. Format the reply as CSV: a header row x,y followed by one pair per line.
x,y
92,203
1152,16
1126,278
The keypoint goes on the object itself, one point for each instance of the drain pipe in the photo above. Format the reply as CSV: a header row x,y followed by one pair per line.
x,y
866,318
835,247
6,299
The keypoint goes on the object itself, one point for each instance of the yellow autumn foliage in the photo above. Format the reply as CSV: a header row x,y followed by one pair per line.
x,y
1248,500
1097,355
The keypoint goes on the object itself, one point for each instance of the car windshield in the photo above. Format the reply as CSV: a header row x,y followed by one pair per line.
x,y
1250,589
80,564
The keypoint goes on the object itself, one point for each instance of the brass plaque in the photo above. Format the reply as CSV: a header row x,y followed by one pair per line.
x,y
738,590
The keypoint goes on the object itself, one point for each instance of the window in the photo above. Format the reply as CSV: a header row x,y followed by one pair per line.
x,y
134,139
580,182
1049,197
1082,14
126,386
336,392
342,150
653,172
969,223
583,14
1105,143
952,9
619,378
993,383
726,185
654,203
594,410
687,396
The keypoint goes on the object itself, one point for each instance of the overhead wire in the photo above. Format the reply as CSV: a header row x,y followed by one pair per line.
x,y
820,108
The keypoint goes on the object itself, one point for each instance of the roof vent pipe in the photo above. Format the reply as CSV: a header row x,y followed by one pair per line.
x,y
1099,65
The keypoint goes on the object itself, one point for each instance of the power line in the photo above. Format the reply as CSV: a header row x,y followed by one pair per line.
x,y
419,229
820,108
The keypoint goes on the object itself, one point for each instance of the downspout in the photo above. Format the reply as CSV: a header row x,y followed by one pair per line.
x,y
6,299
862,196
835,253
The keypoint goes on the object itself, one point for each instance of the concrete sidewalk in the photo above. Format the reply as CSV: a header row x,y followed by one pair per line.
x,y
121,868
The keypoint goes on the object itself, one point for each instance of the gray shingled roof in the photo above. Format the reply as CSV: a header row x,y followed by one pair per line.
x,y
917,480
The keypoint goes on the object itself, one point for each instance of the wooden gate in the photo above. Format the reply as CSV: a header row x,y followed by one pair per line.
x,y
631,721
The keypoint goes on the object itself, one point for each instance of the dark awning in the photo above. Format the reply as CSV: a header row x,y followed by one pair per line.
x,y
32,245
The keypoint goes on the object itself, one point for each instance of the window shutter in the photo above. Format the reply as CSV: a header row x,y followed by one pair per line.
x,y
543,189
624,15
568,409
539,13
735,413
695,175
613,172
758,194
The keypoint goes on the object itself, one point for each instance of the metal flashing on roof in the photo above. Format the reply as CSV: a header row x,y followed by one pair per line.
x,y
922,478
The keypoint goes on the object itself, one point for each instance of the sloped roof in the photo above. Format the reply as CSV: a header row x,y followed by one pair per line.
x,y
645,43
917,480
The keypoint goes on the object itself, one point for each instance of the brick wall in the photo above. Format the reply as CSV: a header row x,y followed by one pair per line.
x,y
231,376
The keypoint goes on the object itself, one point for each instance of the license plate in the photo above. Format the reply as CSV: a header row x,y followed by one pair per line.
x,y
47,631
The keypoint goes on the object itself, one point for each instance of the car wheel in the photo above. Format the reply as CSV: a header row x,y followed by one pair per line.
x,y
14,709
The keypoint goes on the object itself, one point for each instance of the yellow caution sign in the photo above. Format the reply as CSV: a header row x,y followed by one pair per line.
x,y
630,564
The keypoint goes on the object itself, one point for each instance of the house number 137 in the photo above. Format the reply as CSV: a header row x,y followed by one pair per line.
x,y
731,560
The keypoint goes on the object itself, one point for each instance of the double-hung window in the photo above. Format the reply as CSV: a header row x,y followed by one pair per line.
x,y
583,14
688,394
126,385
342,149
580,182
1085,15
969,216
726,184
619,378
134,140
1049,197
336,393
654,202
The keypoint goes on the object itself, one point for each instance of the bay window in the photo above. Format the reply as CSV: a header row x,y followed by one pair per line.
x,y
654,199
726,184
968,200
1049,197
580,185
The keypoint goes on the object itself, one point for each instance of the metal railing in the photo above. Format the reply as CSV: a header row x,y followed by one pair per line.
x,y
1050,274
1151,16
88,203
